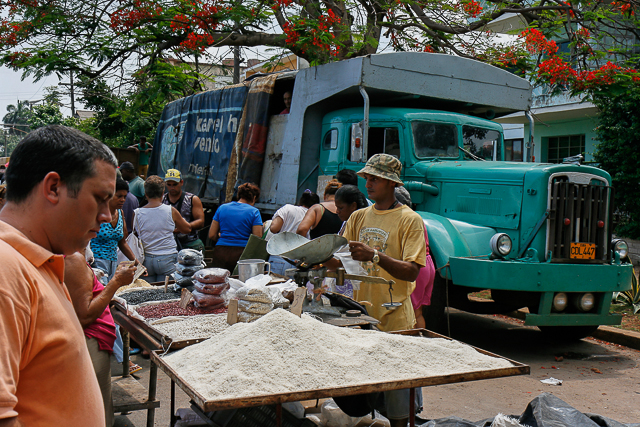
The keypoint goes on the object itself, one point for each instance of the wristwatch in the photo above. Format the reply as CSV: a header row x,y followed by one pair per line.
x,y
376,257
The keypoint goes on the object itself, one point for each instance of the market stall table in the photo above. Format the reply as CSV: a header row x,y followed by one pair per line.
x,y
203,405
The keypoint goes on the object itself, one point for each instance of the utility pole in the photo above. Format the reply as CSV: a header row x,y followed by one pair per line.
x,y
71,92
236,65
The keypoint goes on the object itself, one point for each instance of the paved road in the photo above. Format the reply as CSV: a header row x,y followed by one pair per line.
x,y
597,377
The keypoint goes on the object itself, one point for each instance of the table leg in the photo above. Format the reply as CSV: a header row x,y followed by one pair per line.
x,y
125,352
279,414
412,407
173,403
153,381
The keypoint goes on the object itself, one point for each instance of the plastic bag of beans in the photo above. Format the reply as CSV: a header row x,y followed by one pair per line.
x,y
190,257
212,275
182,281
207,301
188,270
254,307
210,288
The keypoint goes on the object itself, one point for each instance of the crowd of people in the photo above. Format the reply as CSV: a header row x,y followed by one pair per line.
x,y
55,323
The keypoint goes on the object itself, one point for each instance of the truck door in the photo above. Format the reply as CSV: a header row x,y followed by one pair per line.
x,y
383,138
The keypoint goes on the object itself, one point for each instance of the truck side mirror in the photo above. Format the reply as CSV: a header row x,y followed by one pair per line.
x,y
357,144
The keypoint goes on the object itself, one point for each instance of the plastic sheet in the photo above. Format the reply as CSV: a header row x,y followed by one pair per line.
x,y
546,410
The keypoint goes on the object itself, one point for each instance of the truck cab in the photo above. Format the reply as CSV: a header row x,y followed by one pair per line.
x,y
537,235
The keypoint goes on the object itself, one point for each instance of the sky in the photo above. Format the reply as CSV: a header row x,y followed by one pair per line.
x,y
12,89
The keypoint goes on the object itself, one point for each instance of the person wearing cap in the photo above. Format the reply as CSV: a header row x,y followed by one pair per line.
x,y
189,206
136,184
388,239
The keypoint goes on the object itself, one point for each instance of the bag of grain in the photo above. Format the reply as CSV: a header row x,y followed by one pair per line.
x,y
190,257
189,270
210,288
207,301
254,294
212,275
254,307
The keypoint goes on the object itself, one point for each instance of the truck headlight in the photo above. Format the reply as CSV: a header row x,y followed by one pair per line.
x,y
500,245
584,302
621,247
560,301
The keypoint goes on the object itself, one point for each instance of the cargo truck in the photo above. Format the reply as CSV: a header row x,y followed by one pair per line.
x,y
536,235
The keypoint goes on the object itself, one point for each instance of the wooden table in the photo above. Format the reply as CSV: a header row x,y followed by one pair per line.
x,y
203,406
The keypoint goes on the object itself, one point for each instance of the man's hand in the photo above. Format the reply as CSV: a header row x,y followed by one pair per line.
x,y
124,276
360,251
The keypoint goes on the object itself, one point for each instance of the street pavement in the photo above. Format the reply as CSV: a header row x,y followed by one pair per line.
x,y
598,377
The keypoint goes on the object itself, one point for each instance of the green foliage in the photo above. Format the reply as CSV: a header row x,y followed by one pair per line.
x,y
18,116
48,114
631,297
619,153
121,120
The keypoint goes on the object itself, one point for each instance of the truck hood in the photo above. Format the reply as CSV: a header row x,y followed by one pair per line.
x,y
504,173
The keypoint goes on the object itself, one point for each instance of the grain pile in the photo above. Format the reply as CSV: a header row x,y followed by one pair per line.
x,y
283,353
138,283
193,327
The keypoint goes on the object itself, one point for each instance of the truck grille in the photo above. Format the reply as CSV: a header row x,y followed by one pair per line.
x,y
575,212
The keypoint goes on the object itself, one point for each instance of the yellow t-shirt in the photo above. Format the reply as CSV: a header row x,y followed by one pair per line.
x,y
398,233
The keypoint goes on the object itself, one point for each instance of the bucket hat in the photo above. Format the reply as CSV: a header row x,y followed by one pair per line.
x,y
383,166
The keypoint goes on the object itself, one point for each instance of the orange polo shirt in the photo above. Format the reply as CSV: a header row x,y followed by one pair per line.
x,y
46,374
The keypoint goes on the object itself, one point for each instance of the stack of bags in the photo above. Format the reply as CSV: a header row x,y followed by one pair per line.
x,y
255,298
189,262
209,287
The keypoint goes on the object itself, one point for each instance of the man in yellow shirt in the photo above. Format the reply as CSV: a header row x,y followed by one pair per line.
x,y
59,184
388,238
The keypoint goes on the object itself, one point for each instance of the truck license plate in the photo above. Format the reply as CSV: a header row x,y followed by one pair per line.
x,y
583,251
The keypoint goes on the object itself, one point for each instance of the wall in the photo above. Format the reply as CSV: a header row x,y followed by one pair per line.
x,y
547,129
634,251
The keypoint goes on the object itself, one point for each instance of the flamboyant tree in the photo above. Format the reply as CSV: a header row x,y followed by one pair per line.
x,y
103,38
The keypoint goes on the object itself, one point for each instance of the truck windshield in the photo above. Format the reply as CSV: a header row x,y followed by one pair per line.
x,y
435,139
484,143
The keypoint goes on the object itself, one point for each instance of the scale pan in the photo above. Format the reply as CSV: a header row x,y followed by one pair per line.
x,y
303,252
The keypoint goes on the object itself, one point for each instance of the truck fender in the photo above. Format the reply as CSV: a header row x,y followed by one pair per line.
x,y
449,238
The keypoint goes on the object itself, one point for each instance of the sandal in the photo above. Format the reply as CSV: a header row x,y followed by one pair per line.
x,y
134,350
133,368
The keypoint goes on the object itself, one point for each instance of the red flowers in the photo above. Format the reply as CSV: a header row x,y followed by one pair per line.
x,y
472,7
536,42
127,18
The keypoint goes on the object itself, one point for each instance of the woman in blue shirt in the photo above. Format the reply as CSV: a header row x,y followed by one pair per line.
x,y
232,225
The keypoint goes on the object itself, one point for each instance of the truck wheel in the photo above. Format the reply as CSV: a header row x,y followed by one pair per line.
x,y
567,333
434,315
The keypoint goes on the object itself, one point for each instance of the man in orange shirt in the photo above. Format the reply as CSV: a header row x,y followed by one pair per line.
x,y
58,188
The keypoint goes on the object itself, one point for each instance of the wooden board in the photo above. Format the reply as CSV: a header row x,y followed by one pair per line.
x,y
241,402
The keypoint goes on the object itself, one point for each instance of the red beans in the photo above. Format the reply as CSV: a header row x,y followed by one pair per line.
x,y
156,311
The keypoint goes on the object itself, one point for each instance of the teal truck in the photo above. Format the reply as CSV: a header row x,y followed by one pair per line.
x,y
536,235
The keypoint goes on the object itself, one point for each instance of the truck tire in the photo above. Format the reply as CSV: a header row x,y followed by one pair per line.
x,y
434,315
567,333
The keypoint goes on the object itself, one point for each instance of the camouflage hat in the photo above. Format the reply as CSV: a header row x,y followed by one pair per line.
x,y
383,166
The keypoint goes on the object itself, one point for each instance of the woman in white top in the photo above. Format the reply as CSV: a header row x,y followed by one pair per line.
x,y
154,224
